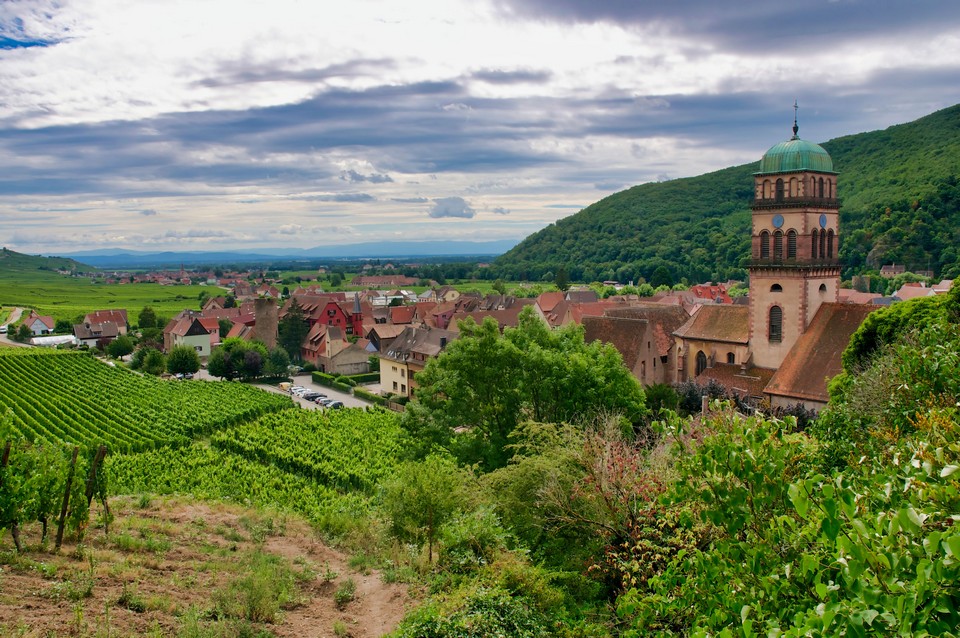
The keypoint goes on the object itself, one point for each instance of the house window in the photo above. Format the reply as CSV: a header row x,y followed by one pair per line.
x,y
778,245
403,389
403,373
791,244
394,386
764,245
731,358
701,362
643,369
776,324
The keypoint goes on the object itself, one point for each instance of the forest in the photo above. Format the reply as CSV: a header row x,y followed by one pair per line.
x,y
900,204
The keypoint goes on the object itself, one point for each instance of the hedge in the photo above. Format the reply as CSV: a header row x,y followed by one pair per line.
x,y
366,395
370,377
323,378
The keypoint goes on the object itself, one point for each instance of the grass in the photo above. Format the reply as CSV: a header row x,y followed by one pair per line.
x,y
70,298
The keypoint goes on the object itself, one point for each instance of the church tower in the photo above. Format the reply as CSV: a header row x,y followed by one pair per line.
x,y
794,266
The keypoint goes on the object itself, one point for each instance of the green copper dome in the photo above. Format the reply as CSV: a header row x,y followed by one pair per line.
x,y
796,155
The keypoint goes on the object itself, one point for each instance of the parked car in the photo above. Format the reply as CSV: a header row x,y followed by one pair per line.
x,y
335,405
310,395
324,401
319,398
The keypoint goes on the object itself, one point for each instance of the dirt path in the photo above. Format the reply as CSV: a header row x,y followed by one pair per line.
x,y
174,559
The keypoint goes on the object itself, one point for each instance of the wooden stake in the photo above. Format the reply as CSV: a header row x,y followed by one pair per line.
x,y
66,498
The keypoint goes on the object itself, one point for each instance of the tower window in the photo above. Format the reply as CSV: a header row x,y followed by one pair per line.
x,y
776,288
701,362
813,244
791,244
823,288
776,324
794,188
764,245
779,190
778,245
823,243
830,244
821,187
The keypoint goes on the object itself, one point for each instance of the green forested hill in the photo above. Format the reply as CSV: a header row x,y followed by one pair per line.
x,y
901,204
11,261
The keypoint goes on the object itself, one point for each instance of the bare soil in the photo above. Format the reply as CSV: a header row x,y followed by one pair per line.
x,y
165,569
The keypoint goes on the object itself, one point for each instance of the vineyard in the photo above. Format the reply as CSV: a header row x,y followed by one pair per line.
x,y
74,398
322,465
346,449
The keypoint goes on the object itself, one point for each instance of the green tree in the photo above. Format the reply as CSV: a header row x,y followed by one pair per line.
x,y
63,327
230,302
292,330
661,277
147,318
235,358
277,363
154,362
183,359
421,497
474,394
499,287
23,333
120,347
562,279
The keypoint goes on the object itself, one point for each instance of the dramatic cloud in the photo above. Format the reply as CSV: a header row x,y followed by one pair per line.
x,y
451,207
126,123
373,178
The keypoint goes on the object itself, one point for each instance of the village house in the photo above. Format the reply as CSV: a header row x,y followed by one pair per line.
x,y
39,325
407,355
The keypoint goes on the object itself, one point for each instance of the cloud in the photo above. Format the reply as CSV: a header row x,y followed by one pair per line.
x,y
339,197
287,229
410,200
451,207
148,212
520,76
374,178
752,25
500,210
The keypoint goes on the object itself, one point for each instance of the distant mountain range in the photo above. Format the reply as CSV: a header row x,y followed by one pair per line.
x,y
119,258
900,189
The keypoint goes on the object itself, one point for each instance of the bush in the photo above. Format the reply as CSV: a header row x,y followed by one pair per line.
x,y
370,377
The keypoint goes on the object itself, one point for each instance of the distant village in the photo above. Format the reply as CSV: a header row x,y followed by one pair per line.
x,y
405,330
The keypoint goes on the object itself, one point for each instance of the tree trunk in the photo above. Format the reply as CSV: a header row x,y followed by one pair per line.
x,y
15,532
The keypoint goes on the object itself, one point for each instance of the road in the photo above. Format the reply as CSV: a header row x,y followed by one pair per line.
x,y
348,400
5,338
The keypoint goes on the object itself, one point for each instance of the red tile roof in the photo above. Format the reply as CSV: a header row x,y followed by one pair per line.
x,y
718,322
815,357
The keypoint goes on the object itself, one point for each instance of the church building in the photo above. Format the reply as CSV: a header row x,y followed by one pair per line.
x,y
788,343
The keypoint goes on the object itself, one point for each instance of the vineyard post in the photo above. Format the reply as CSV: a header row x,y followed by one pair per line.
x,y
4,461
92,482
14,526
66,498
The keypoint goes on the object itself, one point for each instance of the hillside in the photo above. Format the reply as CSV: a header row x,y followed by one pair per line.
x,y
11,261
901,204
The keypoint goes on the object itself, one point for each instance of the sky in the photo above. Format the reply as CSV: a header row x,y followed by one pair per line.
x,y
175,125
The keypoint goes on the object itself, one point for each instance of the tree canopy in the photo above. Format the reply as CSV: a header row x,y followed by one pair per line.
x,y
473,396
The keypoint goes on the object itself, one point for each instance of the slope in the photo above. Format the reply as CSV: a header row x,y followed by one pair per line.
x,y
901,203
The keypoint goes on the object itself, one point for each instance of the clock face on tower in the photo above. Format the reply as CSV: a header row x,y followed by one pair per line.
x,y
777,221
823,220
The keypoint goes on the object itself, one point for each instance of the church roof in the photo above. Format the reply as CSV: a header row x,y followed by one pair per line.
x,y
796,155
718,322
815,357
